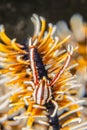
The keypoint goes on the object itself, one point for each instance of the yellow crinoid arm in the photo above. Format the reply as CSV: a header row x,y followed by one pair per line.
x,y
3,36
66,128
42,28
35,113
10,45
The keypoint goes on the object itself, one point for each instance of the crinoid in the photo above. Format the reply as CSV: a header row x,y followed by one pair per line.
x,y
78,32
40,81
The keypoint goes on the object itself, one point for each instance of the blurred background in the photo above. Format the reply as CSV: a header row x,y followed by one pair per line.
x,y
16,14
